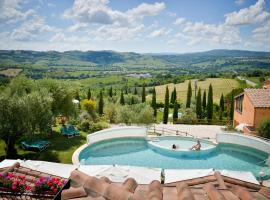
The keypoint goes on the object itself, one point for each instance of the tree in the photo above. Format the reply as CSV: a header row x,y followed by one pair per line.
x,y
189,95
77,96
166,107
175,111
221,103
89,106
89,95
264,129
154,102
210,103
111,112
231,106
173,96
111,92
132,101
199,105
143,94
122,99
204,100
135,91
100,103
23,114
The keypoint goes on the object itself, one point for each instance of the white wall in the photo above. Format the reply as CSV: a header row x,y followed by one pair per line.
x,y
129,131
245,140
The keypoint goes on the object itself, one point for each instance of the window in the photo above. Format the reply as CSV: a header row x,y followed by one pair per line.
x,y
239,103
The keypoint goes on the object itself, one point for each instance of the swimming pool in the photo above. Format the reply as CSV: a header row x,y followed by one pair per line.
x,y
138,152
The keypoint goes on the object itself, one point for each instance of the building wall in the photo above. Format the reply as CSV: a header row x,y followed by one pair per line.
x,y
247,115
261,114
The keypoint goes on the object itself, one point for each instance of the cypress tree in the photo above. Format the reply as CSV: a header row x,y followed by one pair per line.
x,y
204,100
173,96
89,94
154,102
126,89
175,111
122,99
111,92
221,103
189,95
77,96
132,100
143,93
210,103
166,107
199,105
135,91
100,103
231,106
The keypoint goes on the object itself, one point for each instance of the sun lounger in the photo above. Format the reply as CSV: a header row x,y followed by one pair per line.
x,y
39,145
69,131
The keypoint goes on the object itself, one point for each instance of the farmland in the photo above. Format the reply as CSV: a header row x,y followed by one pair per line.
x,y
220,85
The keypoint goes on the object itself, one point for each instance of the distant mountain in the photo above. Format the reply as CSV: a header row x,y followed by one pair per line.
x,y
213,58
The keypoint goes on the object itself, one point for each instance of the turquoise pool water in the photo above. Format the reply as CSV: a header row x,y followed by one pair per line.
x,y
184,144
138,152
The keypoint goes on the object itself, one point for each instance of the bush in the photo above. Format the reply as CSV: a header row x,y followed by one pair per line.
x,y
264,129
94,127
84,126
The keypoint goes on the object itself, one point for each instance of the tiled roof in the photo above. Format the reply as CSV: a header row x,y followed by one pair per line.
x,y
213,187
31,176
260,98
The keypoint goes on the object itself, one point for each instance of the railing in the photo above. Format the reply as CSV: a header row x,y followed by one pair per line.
x,y
164,131
256,136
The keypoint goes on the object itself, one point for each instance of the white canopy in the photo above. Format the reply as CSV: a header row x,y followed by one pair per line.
x,y
116,173
174,175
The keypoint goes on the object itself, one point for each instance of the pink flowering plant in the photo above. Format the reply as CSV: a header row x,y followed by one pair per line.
x,y
14,183
49,185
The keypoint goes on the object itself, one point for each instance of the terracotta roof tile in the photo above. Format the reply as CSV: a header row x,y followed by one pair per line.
x,y
214,187
260,98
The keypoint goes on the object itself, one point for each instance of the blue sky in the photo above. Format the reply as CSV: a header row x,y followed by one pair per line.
x,y
135,25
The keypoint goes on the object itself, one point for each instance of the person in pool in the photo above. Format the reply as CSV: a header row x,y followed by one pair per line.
x,y
196,147
174,146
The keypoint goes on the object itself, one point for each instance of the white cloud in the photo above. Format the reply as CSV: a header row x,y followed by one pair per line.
x,y
159,33
198,32
254,14
117,33
11,11
61,37
98,12
145,9
30,29
239,2
179,21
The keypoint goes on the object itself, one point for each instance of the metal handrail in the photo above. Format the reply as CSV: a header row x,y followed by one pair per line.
x,y
163,130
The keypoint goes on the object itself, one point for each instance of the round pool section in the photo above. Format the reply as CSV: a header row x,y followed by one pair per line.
x,y
183,144
140,152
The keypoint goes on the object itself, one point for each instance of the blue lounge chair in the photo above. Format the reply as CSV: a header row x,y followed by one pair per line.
x,y
64,131
39,145
73,130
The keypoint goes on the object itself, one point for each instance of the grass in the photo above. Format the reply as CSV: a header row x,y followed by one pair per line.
x,y
11,72
60,149
220,85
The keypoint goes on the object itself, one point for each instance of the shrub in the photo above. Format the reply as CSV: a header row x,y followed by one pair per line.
x,y
94,127
264,129
84,126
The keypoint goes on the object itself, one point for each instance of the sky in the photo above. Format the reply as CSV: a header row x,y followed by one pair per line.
x,y
143,26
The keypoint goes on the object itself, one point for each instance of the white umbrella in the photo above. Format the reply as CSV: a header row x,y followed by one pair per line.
x,y
75,101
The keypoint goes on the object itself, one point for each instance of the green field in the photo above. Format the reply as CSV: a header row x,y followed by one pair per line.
x,y
220,85
11,72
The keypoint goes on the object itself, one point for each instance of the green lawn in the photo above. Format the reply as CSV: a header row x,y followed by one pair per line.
x,y
60,149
